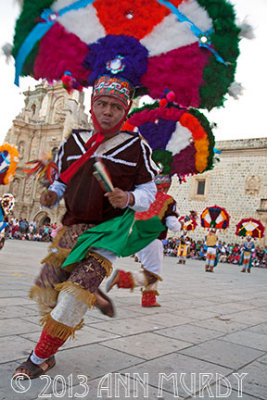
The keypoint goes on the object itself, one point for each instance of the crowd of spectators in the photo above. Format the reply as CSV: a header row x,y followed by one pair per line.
x,y
21,229
227,253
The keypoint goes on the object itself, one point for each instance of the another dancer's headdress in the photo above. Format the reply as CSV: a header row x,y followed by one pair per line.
x,y
181,139
250,227
189,221
9,158
215,217
7,202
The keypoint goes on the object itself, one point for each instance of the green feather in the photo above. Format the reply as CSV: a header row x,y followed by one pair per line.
x,y
164,157
28,18
152,106
217,77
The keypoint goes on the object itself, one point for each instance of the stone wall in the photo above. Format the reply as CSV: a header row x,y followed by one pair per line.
x,y
238,183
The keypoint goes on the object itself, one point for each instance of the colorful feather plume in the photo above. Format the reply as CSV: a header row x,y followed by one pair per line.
x,y
181,139
189,221
44,169
215,217
188,45
7,202
9,158
250,227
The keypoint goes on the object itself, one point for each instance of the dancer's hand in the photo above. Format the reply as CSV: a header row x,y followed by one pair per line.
x,y
48,198
119,198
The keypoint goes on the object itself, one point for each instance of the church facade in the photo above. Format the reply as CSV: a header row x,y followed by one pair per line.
x,y
237,183
48,117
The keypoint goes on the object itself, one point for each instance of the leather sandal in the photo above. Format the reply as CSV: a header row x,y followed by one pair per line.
x,y
31,370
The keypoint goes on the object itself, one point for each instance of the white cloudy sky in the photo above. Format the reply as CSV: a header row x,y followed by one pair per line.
x,y
243,118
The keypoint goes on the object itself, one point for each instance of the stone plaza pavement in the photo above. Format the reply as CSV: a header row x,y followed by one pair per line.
x,y
208,340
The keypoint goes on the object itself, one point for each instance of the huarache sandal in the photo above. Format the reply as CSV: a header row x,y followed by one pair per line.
x,y
31,370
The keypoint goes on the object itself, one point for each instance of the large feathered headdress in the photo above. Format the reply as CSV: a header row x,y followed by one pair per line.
x,y
215,217
250,227
9,158
181,139
190,46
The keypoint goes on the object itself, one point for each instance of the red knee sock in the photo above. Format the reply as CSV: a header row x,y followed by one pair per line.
x,y
47,345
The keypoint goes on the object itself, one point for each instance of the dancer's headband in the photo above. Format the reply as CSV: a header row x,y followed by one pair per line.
x,y
119,88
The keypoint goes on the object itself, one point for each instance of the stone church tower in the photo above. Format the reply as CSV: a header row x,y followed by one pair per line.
x,y
48,117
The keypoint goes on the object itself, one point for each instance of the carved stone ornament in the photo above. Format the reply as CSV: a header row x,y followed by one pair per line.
x,y
15,187
252,185
21,148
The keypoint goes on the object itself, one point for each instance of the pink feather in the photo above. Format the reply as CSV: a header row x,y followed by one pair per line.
x,y
60,51
187,64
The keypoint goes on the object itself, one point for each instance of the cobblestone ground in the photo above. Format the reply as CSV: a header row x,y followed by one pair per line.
x,y
207,340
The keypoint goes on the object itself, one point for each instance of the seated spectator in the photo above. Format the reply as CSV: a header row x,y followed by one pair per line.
x,y
201,254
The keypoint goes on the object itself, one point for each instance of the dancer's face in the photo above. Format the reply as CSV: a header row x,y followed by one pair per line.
x,y
108,111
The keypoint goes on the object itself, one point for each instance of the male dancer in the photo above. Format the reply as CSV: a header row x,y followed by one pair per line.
x,y
246,258
64,294
151,257
182,250
211,243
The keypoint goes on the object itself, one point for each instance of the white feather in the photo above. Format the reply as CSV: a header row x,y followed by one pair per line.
x,y
7,51
167,36
19,2
171,34
197,14
247,30
235,90
83,22
59,4
181,138
207,218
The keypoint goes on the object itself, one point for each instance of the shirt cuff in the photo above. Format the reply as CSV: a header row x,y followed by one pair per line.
x,y
173,224
144,196
59,188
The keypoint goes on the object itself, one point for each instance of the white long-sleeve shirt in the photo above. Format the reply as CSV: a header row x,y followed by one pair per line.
x,y
144,195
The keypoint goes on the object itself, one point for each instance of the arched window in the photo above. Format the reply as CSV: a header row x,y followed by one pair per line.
x,y
46,221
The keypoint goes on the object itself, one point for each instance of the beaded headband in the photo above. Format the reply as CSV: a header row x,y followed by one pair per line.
x,y
116,87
